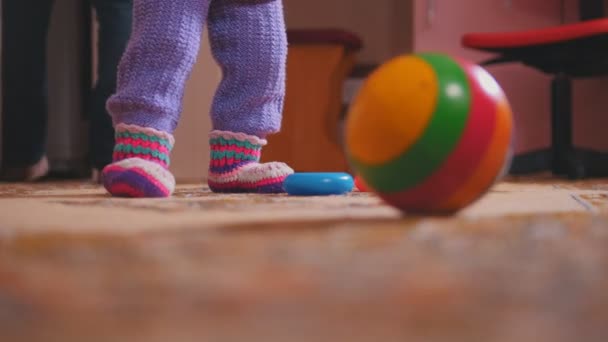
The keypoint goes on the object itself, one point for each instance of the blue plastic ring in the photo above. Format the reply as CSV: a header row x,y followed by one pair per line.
x,y
318,184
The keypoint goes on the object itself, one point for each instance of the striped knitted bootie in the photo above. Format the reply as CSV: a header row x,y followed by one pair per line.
x,y
141,163
235,166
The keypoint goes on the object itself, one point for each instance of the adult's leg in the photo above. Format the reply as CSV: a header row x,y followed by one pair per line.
x,y
115,19
24,87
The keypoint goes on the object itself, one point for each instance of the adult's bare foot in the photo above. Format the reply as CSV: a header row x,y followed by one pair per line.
x,y
26,174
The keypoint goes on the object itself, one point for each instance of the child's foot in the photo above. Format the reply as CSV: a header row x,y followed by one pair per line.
x,y
28,173
235,166
141,163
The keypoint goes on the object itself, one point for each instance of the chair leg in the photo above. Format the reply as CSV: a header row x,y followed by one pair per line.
x,y
567,160
561,123
562,158
553,158
531,162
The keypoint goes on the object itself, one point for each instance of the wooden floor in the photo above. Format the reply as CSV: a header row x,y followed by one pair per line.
x,y
529,262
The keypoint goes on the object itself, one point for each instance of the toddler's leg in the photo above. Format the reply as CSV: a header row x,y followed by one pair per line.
x,y
248,40
145,110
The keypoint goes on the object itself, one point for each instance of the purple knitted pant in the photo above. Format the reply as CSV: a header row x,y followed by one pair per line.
x,y
248,41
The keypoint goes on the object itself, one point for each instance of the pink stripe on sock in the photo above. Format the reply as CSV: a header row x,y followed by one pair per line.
x,y
118,156
224,175
228,161
263,182
125,189
229,185
254,185
237,149
121,127
142,143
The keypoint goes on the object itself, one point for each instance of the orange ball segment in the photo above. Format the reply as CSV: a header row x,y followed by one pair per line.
x,y
429,133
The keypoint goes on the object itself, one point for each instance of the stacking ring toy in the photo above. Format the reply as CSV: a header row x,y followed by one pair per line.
x,y
318,184
360,184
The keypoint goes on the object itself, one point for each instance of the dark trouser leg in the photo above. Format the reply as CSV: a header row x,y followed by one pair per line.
x,y
114,17
24,106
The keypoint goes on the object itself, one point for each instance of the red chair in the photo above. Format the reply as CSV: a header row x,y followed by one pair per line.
x,y
567,52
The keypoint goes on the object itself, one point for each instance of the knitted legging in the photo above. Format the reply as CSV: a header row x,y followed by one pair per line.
x,y
247,40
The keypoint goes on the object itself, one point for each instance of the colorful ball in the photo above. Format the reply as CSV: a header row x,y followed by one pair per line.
x,y
429,133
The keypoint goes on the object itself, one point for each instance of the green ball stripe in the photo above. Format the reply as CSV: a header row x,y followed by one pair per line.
x,y
233,142
232,154
144,137
439,138
141,150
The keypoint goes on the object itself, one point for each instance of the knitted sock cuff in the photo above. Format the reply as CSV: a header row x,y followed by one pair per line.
x,y
146,143
229,148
